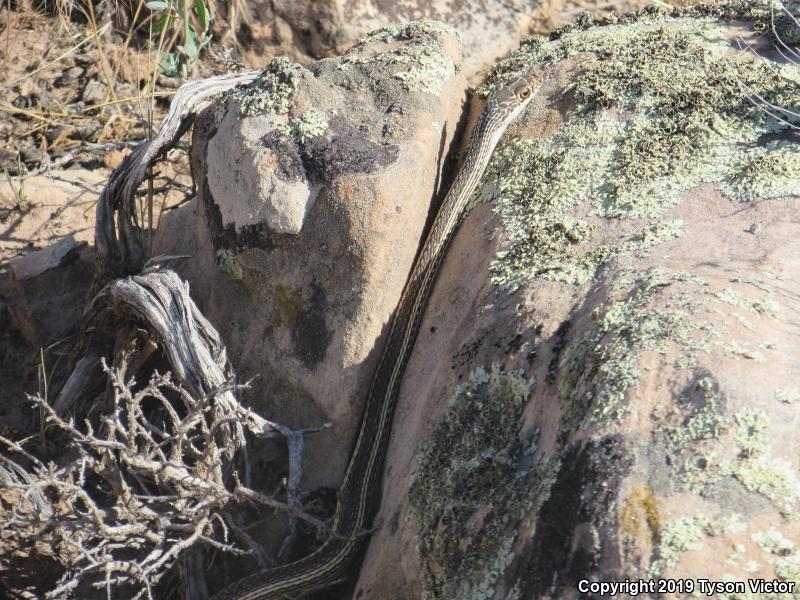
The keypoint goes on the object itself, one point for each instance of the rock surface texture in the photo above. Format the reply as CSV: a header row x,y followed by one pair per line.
x,y
316,28
314,188
605,385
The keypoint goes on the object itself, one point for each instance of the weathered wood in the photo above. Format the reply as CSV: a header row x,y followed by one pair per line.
x,y
119,251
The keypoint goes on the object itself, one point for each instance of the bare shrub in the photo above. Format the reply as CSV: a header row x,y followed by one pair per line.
x,y
138,491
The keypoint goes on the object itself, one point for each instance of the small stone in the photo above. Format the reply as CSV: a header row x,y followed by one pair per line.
x,y
85,132
36,263
32,155
8,160
94,92
69,76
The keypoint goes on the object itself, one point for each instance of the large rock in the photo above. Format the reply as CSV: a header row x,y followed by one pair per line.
x,y
605,386
314,186
305,29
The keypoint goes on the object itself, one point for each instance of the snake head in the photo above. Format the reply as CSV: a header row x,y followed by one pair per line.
x,y
513,97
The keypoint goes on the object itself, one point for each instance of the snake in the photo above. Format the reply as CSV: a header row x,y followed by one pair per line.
x,y
359,494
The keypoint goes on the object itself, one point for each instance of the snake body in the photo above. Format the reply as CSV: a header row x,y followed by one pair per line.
x,y
360,493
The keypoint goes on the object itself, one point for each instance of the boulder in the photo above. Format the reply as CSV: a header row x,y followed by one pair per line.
x,y
604,387
308,29
314,187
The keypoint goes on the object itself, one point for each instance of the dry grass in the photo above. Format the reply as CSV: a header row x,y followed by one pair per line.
x,y
71,88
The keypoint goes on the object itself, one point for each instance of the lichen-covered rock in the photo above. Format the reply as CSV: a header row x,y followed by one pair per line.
x,y
263,182
604,387
489,28
314,186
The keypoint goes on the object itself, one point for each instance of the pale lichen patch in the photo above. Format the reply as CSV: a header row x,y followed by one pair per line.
x,y
774,542
272,90
737,349
788,395
691,533
426,64
767,308
769,172
706,422
228,262
659,112
772,477
312,123
536,187
754,466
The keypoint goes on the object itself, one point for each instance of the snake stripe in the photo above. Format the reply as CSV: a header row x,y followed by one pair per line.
x,y
360,492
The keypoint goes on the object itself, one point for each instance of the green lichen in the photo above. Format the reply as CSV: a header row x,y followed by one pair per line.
x,y
736,349
544,239
475,484
690,533
309,125
771,477
753,466
272,90
228,262
773,541
788,395
657,111
705,423
778,23
750,439
426,64
766,308
601,367
788,569
427,71
410,30
769,172
701,469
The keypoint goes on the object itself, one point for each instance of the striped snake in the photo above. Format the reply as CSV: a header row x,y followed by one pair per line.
x,y
360,492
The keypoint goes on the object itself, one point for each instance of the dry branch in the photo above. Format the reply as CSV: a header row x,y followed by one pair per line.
x,y
137,493
148,479
118,249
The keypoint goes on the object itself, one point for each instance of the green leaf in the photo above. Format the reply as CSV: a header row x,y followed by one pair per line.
x,y
203,15
156,5
162,22
204,41
189,48
168,66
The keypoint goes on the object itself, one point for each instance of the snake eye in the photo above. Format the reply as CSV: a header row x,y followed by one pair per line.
x,y
524,93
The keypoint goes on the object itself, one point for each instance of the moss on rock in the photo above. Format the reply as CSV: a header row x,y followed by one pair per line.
x,y
602,365
272,90
425,65
476,483
658,110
